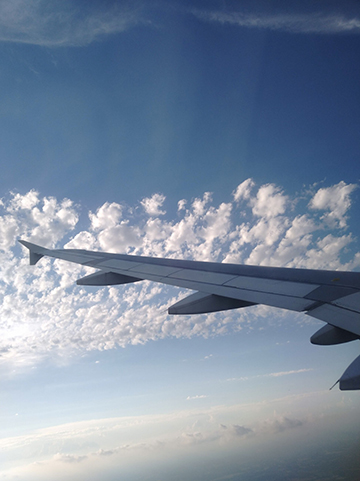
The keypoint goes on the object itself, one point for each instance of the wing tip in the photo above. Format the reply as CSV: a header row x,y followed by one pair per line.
x,y
34,256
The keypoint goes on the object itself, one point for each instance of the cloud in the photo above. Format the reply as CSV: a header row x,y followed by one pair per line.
x,y
243,190
335,200
152,205
270,229
88,449
304,23
287,373
43,220
69,458
269,201
272,374
51,23
107,216
55,24
201,396
278,425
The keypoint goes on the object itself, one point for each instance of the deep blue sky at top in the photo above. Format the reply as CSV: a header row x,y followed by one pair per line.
x,y
180,106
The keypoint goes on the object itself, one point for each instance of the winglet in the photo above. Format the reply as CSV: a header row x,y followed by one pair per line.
x,y
36,252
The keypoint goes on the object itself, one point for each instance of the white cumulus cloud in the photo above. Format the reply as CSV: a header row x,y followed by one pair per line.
x,y
43,313
335,201
153,204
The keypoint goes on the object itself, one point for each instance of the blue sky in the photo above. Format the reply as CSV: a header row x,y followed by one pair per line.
x,y
201,130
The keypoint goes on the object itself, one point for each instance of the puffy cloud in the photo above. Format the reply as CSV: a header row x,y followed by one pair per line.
x,y
243,190
235,430
199,205
278,425
119,238
269,202
336,201
327,251
83,240
153,204
69,458
108,215
181,204
44,221
27,201
34,323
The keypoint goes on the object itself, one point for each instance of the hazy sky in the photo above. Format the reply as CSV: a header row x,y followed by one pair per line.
x,y
222,131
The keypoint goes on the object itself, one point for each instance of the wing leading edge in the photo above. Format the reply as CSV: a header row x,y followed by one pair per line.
x,y
331,296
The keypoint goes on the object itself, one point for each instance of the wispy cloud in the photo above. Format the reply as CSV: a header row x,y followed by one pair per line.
x,y
287,373
51,23
307,23
271,374
198,396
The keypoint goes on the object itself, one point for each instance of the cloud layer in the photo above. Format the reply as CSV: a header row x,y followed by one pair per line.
x,y
114,442
251,432
44,313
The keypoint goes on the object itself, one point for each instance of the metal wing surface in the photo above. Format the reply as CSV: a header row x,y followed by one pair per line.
x,y
331,296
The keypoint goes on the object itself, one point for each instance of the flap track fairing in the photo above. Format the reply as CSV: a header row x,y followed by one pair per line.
x,y
329,335
200,303
105,279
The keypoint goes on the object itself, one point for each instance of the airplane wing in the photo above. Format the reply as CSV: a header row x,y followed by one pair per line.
x,y
331,296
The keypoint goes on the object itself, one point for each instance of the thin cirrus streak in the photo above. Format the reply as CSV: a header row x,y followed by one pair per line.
x,y
33,22
271,374
312,23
